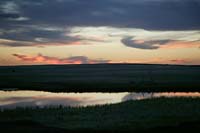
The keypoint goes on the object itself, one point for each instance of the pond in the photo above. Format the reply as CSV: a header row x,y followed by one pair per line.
x,y
13,99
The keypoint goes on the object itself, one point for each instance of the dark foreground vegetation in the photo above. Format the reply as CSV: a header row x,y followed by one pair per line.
x,y
101,78
156,115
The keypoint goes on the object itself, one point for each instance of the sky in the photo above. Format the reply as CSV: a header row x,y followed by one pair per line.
x,y
99,31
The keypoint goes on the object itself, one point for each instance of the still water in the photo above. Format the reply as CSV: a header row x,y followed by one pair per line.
x,y
12,99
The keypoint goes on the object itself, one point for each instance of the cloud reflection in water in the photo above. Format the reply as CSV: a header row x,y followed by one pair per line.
x,y
13,99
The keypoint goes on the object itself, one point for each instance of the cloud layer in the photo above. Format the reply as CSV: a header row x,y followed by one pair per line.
x,y
51,21
113,27
156,44
85,60
140,38
147,14
54,60
129,42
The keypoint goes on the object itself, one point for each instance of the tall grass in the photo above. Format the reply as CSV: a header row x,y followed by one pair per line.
x,y
102,78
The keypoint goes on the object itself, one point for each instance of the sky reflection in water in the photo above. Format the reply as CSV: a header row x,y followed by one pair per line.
x,y
12,99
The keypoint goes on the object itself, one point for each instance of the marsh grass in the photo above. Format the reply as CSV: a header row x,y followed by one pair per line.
x,y
126,116
102,78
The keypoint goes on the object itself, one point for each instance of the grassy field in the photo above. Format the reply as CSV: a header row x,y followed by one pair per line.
x,y
160,114
101,77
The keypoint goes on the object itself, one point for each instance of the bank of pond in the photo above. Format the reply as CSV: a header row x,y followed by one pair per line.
x,y
156,114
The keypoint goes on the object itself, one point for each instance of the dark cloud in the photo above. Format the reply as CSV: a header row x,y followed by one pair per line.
x,y
10,11
41,36
38,36
32,36
8,16
151,14
154,44
54,60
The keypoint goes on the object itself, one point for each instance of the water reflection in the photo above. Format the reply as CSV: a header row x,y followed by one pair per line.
x,y
140,96
137,96
12,99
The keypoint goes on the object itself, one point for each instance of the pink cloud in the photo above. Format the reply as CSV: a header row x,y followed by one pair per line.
x,y
157,61
179,61
85,60
55,60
